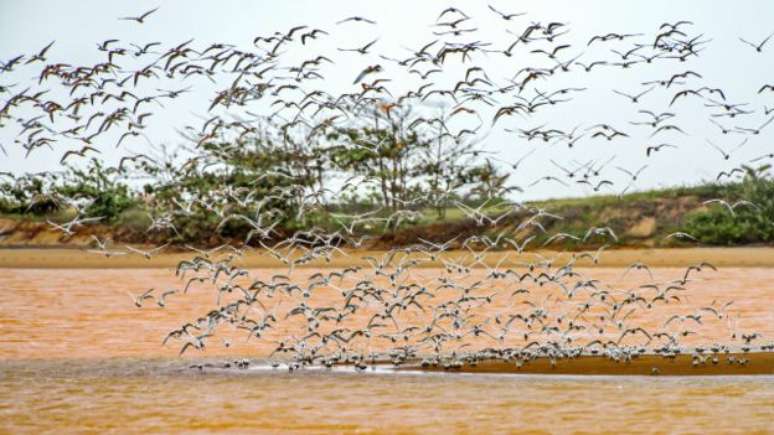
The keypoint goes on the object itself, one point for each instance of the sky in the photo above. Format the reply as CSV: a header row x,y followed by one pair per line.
x,y
77,27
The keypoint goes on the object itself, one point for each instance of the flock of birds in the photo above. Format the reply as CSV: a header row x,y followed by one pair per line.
x,y
402,309
516,308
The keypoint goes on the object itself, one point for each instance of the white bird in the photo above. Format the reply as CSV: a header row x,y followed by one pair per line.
x,y
139,299
147,254
732,207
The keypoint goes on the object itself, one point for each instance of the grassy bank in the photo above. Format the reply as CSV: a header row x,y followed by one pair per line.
x,y
638,220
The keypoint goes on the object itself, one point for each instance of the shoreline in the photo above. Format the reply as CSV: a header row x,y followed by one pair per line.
x,y
755,363
74,258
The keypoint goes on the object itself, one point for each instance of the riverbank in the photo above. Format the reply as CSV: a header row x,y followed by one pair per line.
x,y
639,220
75,258
737,363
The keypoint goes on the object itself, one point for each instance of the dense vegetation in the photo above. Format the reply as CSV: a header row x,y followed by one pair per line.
x,y
745,223
415,182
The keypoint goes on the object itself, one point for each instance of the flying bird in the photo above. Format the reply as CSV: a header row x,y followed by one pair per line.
x,y
504,16
356,19
369,70
655,148
141,18
757,47
634,98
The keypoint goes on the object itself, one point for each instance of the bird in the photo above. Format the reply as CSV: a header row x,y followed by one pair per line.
x,y
596,187
684,93
698,268
634,175
504,16
361,50
667,127
731,207
356,19
755,131
727,154
590,66
147,254
139,299
67,227
758,47
162,300
635,98
729,174
369,70
654,148
81,153
612,36
313,34
451,10
681,235
683,75
141,18
552,54
604,231
38,57
638,266
763,157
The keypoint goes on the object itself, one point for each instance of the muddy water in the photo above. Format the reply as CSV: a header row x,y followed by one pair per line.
x,y
147,396
73,313
76,354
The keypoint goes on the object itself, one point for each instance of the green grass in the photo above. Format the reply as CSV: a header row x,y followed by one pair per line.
x,y
701,191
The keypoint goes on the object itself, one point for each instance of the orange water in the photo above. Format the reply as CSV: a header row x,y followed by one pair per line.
x,y
76,355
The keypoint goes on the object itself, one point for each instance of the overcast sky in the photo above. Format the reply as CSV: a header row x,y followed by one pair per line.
x,y
26,26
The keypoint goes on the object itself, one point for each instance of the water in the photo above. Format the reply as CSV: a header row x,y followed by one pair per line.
x,y
73,313
75,354
147,396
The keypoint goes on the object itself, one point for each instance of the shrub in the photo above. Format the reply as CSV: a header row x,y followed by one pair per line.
x,y
747,223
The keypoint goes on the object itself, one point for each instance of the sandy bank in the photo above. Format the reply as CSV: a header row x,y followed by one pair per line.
x,y
753,363
78,258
